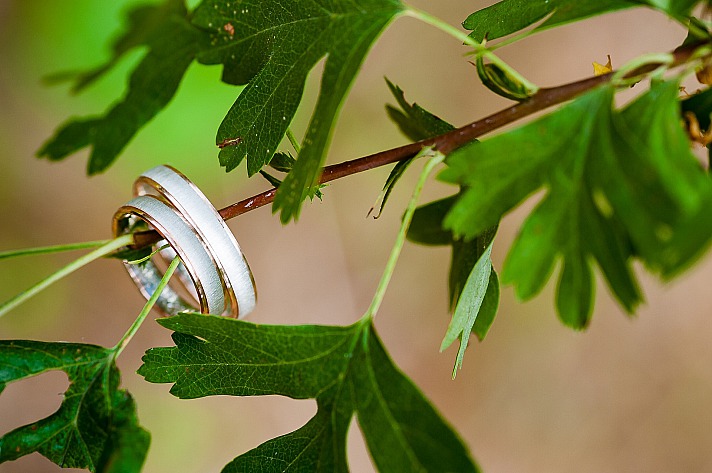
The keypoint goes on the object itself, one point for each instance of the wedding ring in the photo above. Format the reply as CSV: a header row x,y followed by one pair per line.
x,y
178,191
183,239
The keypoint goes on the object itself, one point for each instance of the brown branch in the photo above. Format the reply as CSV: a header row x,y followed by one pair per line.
x,y
448,142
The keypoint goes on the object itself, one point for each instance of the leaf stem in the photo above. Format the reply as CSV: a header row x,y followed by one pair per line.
x,y
479,48
105,249
51,249
294,141
436,159
148,257
146,308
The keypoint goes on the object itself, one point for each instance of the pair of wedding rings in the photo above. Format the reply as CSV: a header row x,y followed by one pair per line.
x,y
213,270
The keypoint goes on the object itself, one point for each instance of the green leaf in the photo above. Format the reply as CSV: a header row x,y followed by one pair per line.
x,y
126,448
509,16
502,82
144,24
271,46
673,7
344,368
282,162
313,192
402,429
95,427
619,184
271,179
298,362
465,255
319,446
172,45
413,120
426,228
473,285
489,308
417,124
468,306
393,177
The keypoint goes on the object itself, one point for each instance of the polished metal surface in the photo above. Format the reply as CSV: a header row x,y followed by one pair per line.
x,y
178,191
184,240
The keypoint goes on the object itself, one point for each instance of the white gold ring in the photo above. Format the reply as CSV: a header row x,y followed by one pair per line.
x,y
183,239
191,204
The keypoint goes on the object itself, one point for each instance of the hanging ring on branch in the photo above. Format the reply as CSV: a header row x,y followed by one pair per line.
x,y
184,242
218,240
213,270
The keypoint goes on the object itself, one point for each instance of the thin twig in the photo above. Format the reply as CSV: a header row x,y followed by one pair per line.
x,y
448,142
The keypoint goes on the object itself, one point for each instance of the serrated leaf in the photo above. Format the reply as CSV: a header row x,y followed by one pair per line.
x,y
509,16
143,26
319,446
172,45
468,306
426,228
467,274
344,368
248,359
414,121
271,179
465,255
282,162
417,124
95,427
403,431
393,177
620,184
271,46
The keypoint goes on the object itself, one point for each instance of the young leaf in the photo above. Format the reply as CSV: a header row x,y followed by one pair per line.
x,y
271,179
95,427
344,368
488,309
501,82
417,124
620,184
427,229
271,46
465,255
393,177
414,121
313,192
509,16
468,306
172,45
282,162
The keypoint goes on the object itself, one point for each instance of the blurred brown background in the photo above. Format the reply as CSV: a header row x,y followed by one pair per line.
x,y
628,395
